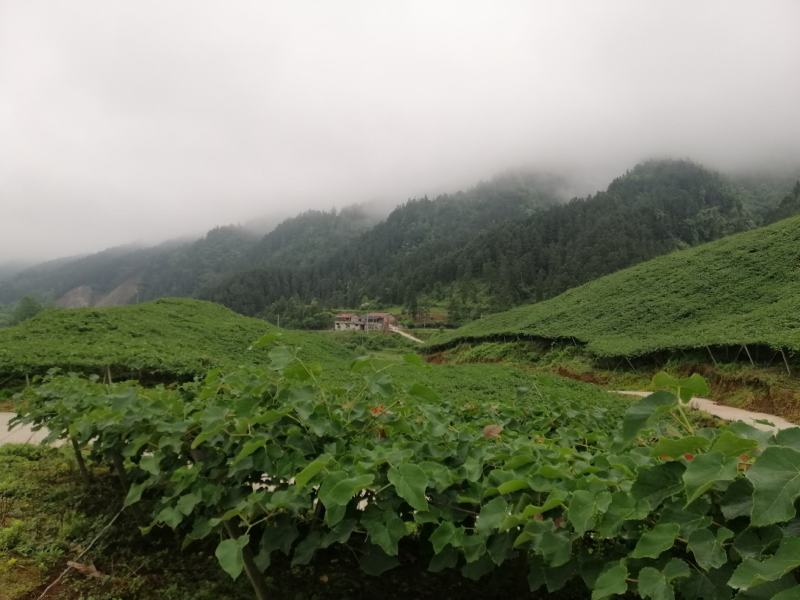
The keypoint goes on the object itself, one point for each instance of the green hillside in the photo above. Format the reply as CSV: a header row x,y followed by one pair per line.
x,y
162,339
744,289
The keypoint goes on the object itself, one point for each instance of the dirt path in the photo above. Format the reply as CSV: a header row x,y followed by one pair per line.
x,y
730,413
399,331
20,434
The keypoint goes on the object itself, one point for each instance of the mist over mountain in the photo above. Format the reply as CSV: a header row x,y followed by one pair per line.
x,y
514,238
151,121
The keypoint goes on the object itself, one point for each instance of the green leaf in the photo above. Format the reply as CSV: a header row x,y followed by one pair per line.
x,y
730,444
751,572
512,485
708,549
611,581
581,511
446,559
554,547
788,437
477,569
249,448
693,386
170,516
149,463
793,593
654,484
135,492
187,502
705,471
385,529
676,569
336,492
491,515
645,412
311,470
442,536
229,555
776,485
656,541
410,481
279,536
376,562
737,501
653,584
305,549
665,382
280,357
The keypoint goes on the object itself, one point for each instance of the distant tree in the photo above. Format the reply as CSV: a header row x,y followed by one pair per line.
x,y
26,308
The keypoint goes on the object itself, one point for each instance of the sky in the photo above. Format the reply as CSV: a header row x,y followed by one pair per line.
x,y
139,121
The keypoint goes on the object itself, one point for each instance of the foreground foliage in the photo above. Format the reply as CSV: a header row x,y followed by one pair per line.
x,y
272,463
739,290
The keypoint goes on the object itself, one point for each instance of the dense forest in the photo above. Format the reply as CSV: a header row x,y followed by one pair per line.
x,y
512,239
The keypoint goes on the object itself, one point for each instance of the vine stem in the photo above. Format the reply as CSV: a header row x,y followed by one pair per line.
x,y
253,574
84,551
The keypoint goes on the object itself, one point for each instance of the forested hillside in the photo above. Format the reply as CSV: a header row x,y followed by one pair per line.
x,y
381,263
485,257
743,289
506,241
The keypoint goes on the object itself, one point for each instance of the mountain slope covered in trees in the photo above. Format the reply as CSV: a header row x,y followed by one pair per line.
x,y
743,289
442,250
509,240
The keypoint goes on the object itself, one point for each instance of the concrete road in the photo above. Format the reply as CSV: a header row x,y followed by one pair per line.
x,y
731,413
20,434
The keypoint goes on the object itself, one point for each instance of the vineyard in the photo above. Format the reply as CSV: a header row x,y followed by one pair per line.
x,y
272,464
742,289
162,340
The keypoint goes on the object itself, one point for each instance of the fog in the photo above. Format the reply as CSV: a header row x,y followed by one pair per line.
x,y
137,121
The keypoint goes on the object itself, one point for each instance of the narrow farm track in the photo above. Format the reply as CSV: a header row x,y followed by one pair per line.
x,y
405,334
19,435
730,413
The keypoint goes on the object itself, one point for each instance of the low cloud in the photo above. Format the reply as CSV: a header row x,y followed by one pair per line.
x,y
139,121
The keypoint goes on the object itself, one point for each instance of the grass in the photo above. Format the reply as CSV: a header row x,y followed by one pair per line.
x,y
47,518
743,289
163,340
761,388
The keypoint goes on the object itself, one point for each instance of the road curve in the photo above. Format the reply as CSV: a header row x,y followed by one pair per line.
x,y
730,413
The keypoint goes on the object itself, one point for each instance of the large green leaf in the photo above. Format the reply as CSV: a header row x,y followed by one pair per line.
x,y
654,585
730,444
645,412
581,511
612,581
776,485
705,471
337,490
311,470
751,573
409,482
656,541
709,549
229,555
654,484
491,515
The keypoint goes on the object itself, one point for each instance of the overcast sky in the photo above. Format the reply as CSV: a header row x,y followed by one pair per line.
x,y
125,121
